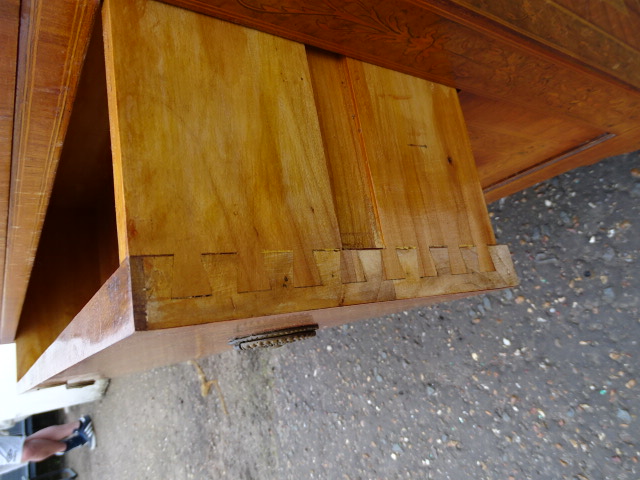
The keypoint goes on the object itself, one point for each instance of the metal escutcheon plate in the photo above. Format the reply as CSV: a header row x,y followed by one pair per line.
x,y
274,338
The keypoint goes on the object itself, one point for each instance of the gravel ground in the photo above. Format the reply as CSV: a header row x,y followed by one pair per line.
x,y
536,382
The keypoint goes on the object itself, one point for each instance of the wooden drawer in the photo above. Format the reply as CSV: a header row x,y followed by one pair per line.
x,y
242,183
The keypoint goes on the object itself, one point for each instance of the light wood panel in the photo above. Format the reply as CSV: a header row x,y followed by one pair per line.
x,y
418,160
217,150
66,274
161,311
54,38
555,166
221,219
345,150
199,197
9,25
441,40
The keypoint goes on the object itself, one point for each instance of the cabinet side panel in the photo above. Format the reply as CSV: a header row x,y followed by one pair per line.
x,y
54,39
9,25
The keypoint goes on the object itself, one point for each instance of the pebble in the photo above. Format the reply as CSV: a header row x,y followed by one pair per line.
x,y
624,415
545,258
486,303
609,254
609,293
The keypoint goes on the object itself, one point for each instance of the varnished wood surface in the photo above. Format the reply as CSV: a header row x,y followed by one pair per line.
x,y
106,319
65,276
228,303
619,18
457,45
242,172
54,38
418,163
585,32
345,151
9,25
618,145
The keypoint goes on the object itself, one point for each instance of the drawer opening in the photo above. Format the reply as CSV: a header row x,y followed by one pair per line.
x,y
78,248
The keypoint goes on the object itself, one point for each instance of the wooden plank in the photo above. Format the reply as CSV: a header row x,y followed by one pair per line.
x,y
619,18
79,354
106,319
9,26
346,154
241,172
65,276
424,189
54,38
422,170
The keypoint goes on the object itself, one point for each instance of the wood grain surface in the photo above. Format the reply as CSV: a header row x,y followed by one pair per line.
x,y
241,170
227,303
457,44
66,274
468,44
54,38
584,33
442,42
9,26
222,219
345,151
104,320
418,160
78,248
508,139
619,18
